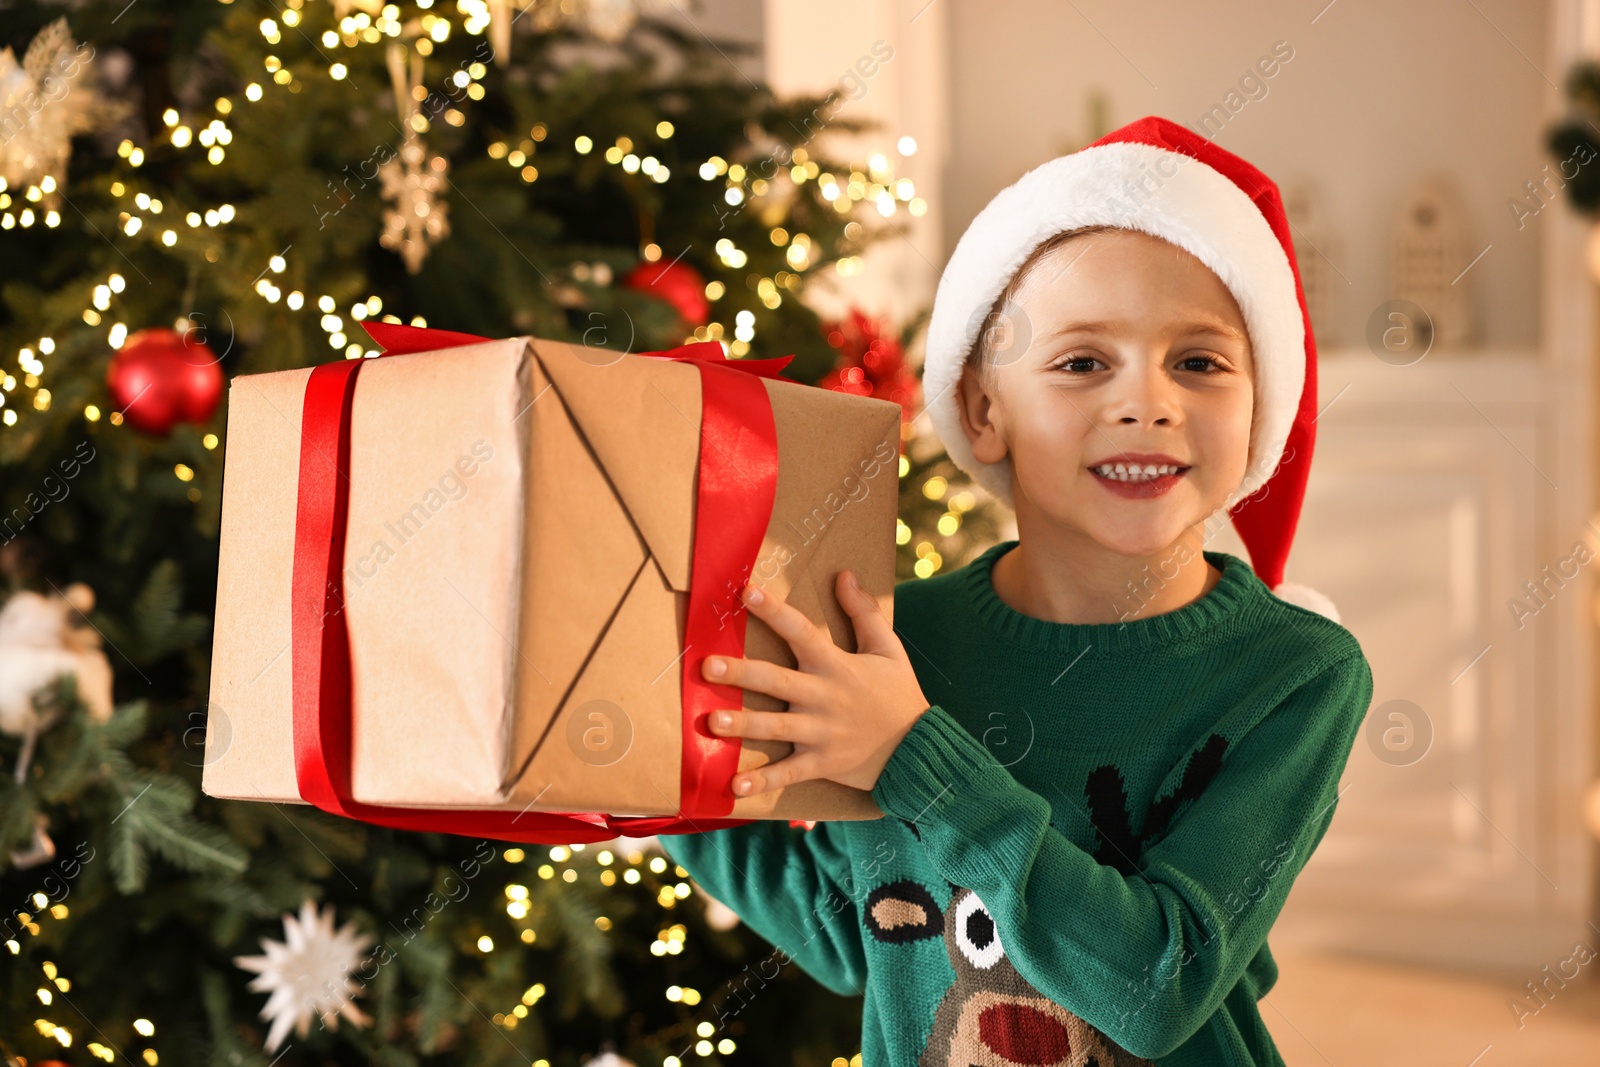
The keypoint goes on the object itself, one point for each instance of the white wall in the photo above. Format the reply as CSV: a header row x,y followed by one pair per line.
x,y
889,60
718,21
1376,96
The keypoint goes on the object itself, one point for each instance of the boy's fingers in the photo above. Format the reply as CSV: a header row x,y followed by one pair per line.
x,y
808,640
874,632
790,686
799,767
765,726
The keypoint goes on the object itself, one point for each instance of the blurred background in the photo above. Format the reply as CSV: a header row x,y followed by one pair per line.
x,y
196,190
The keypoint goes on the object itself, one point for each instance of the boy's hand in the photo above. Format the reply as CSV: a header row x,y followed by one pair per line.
x,y
847,710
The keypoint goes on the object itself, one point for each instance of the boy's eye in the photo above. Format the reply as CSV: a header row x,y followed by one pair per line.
x,y
1083,364
1075,363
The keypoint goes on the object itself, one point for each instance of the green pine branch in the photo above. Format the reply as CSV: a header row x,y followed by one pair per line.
x,y
85,763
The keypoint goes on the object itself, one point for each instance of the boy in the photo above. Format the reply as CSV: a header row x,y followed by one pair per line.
x,y
1104,752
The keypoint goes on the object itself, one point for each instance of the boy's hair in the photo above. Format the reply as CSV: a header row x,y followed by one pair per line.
x,y
982,353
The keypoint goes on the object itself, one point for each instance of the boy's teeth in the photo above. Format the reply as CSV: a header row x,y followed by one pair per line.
x,y
1133,472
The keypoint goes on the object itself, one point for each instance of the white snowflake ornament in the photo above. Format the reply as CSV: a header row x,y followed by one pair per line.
x,y
419,216
308,974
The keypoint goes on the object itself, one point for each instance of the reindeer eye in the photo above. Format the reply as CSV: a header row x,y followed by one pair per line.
x,y
976,933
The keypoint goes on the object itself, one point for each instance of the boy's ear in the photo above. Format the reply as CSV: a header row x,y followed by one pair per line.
x,y
980,417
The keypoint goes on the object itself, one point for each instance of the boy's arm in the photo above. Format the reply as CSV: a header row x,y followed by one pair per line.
x,y
790,885
1147,957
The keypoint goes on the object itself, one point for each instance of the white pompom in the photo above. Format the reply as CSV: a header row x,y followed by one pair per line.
x,y
1306,597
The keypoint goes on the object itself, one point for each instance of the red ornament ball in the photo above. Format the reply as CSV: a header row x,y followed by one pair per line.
x,y
159,378
678,284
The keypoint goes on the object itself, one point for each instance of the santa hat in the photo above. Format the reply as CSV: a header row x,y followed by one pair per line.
x,y
1161,178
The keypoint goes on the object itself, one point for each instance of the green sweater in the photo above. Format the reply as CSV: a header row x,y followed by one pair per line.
x,y
1087,836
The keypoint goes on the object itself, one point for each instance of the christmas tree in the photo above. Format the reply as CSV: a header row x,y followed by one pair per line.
x,y
196,190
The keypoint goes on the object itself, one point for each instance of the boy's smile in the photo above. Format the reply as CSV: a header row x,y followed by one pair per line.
x,y
1121,388
1139,475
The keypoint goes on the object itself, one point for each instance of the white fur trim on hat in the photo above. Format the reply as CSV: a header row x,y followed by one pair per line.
x,y
1306,597
1135,186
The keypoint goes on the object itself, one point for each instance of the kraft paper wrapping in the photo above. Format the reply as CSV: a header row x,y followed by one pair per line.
x,y
521,528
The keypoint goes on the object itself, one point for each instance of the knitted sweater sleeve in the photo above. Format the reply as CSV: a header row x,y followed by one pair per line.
x,y
790,885
1149,956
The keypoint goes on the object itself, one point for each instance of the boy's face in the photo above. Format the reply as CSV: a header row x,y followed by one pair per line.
x,y
1117,342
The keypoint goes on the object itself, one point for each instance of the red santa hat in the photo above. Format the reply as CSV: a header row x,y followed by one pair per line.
x,y
1161,178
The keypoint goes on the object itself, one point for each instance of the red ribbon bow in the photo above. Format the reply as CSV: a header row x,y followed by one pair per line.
x,y
730,523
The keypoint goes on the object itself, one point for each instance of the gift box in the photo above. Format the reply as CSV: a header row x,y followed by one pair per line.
x,y
467,586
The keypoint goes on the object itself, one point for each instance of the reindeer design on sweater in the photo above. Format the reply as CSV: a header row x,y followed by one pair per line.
x,y
991,1016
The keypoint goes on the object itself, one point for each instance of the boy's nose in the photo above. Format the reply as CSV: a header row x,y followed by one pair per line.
x,y
1145,395
1023,1034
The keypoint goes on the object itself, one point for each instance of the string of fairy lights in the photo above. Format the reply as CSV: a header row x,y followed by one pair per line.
x,y
611,868
57,983
874,184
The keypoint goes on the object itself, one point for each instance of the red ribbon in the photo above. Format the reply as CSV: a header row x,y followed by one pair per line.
x,y
735,488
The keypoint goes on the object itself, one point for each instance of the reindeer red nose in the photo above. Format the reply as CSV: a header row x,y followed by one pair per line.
x,y
1023,1035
